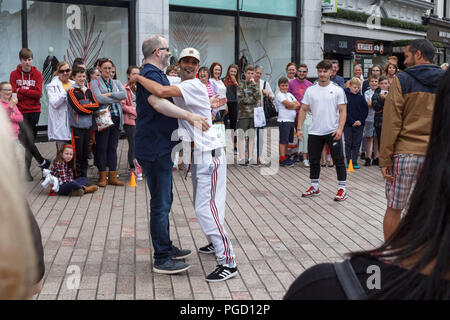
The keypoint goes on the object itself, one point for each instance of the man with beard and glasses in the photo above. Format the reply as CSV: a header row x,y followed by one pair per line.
x,y
209,160
153,147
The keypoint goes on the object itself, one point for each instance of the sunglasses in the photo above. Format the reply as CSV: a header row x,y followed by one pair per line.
x,y
64,71
162,49
301,71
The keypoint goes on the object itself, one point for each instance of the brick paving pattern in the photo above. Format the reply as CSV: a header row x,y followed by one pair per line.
x,y
275,233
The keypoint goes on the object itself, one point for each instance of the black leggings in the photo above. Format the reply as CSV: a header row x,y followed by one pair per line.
x,y
232,114
129,131
81,138
27,136
378,133
315,147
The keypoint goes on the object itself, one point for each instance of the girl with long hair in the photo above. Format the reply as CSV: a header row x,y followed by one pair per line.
x,y
231,81
390,70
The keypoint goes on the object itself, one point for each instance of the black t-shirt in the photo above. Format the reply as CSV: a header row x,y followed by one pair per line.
x,y
320,282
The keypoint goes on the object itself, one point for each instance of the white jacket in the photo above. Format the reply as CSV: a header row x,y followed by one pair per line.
x,y
58,111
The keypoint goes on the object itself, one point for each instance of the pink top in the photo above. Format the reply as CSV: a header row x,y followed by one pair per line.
x,y
14,116
129,108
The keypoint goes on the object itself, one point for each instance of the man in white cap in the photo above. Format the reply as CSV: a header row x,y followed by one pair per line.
x,y
209,161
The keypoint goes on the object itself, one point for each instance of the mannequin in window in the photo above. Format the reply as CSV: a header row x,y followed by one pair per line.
x,y
49,67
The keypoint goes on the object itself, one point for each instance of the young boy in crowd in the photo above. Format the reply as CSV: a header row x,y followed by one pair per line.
x,y
287,105
248,96
82,103
357,111
369,129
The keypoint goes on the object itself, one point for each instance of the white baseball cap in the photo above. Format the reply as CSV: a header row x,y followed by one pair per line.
x,y
189,52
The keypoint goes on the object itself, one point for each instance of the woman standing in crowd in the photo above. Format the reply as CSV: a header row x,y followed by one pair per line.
x,y
375,71
92,74
291,71
357,73
129,116
414,262
231,81
172,71
58,109
109,94
390,71
219,88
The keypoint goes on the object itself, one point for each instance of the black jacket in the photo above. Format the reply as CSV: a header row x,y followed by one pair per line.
x,y
378,106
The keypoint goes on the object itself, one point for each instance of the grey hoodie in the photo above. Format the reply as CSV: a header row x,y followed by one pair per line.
x,y
78,120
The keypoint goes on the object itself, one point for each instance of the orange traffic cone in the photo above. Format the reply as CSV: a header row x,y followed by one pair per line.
x,y
132,180
350,166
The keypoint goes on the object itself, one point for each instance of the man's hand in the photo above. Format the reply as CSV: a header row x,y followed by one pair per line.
x,y
387,173
134,78
300,135
198,121
357,123
217,102
337,134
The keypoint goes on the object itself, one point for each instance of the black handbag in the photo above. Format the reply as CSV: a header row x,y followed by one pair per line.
x,y
269,108
349,281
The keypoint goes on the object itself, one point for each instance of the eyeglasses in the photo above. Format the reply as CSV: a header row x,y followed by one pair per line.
x,y
162,49
301,71
64,71
5,89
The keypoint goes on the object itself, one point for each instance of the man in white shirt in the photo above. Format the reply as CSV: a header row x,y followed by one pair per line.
x,y
328,104
209,160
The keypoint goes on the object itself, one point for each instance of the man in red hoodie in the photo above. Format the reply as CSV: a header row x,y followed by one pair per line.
x,y
26,82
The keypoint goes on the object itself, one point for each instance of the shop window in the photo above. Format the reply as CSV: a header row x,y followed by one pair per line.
x,y
58,32
212,35
10,24
282,8
267,43
212,4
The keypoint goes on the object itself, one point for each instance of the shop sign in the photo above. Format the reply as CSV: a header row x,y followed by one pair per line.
x,y
364,47
329,6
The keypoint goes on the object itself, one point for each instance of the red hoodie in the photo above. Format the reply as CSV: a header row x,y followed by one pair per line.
x,y
29,89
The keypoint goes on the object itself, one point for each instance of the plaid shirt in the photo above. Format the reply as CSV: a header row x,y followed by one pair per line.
x,y
62,171
115,108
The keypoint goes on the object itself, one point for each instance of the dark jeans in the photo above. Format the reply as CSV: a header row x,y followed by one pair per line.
x,y
232,114
81,138
76,184
315,147
353,137
106,142
129,131
27,136
158,174
378,132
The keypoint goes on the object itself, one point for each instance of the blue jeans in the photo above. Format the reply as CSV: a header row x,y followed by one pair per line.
x,y
353,137
158,174
76,184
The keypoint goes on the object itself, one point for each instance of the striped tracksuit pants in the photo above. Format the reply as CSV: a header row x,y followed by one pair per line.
x,y
209,180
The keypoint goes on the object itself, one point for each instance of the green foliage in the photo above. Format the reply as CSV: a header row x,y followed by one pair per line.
x,y
387,22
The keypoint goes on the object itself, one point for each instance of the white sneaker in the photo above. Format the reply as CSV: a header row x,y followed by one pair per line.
x,y
306,163
139,177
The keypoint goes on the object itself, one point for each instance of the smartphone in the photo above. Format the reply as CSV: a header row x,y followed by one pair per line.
x,y
384,92
14,96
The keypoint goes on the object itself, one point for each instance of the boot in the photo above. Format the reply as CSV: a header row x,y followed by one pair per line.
x,y
102,179
112,179
90,189
76,193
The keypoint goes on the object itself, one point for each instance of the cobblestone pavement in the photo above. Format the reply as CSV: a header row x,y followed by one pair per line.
x,y
275,233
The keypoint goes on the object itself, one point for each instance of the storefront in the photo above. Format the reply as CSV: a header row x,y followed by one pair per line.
x,y
263,32
439,34
63,30
350,51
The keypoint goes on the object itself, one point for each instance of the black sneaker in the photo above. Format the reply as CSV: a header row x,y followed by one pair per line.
x,y
46,164
367,163
178,254
171,267
363,156
375,162
221,273
208,249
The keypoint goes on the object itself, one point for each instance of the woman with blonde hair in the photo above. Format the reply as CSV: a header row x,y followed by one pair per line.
x,y
20,241
58,111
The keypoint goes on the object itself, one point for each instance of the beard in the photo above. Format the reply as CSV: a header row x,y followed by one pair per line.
x,y
165,61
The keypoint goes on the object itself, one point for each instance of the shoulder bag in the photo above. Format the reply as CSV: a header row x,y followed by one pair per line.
x,y
269,109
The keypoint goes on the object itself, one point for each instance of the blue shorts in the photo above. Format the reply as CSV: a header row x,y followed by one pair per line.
x,y
286,132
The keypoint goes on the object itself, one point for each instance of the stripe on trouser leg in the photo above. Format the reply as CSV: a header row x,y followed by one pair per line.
x,y
214,211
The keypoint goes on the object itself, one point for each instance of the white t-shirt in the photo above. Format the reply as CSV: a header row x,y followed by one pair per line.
x,y
324,102
220,89
195,99
173,80
283,113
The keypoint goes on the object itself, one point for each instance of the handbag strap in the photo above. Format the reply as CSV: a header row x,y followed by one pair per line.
x,y
264,87
349,281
